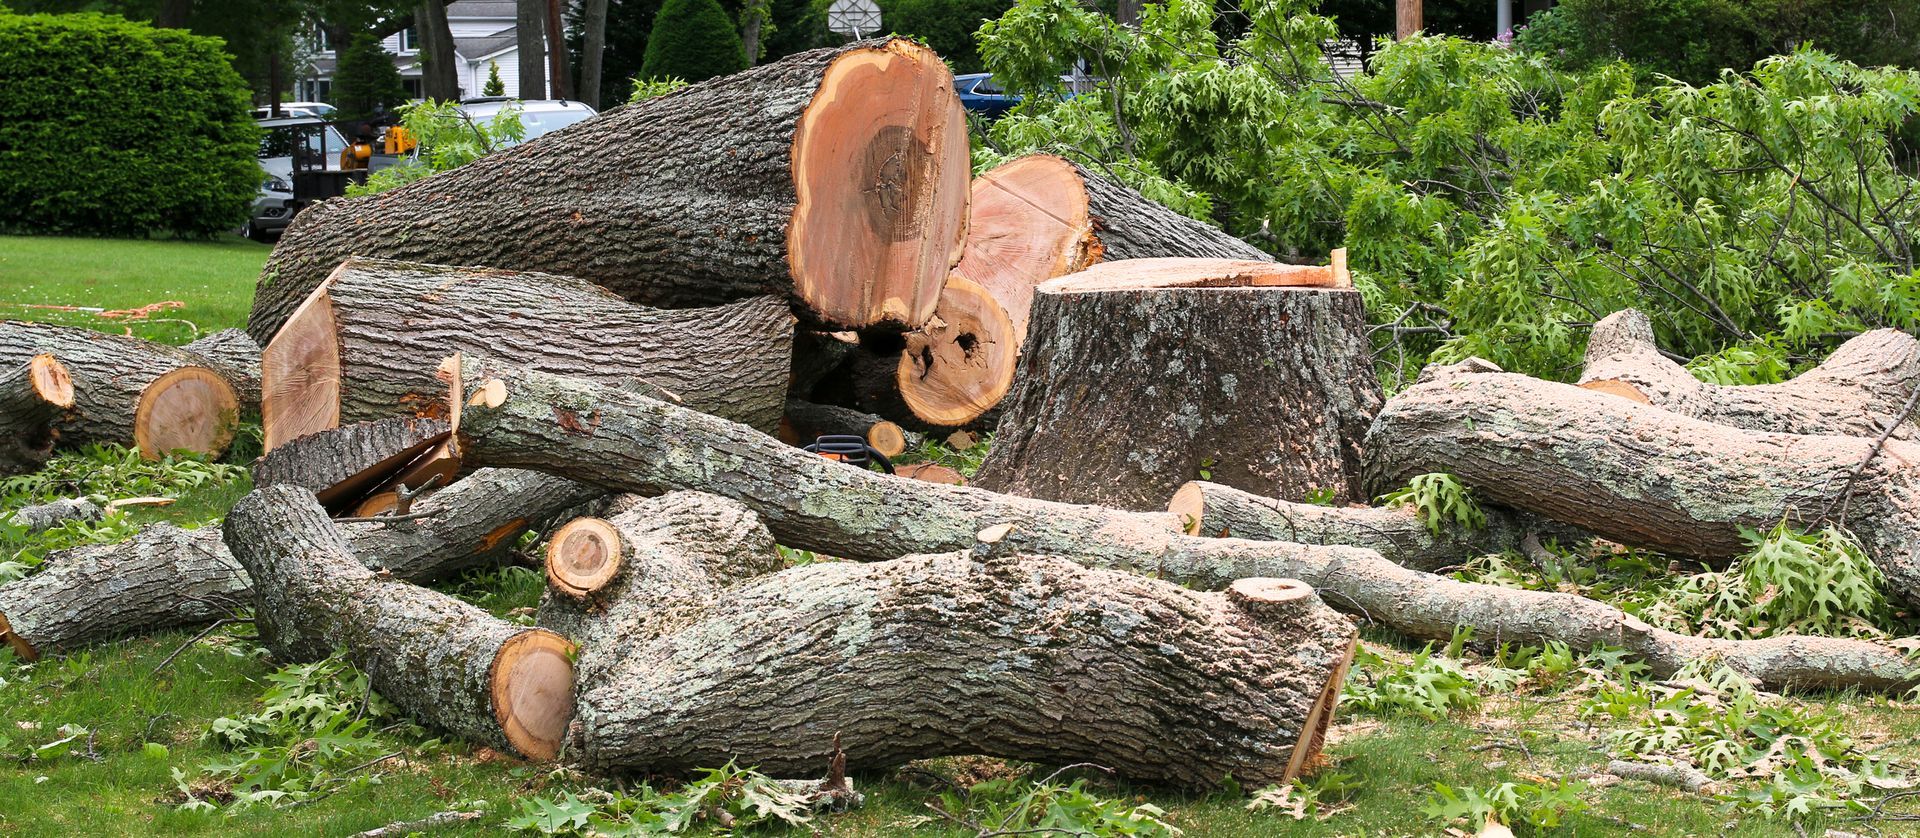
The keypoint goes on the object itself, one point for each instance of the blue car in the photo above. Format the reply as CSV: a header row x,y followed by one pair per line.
x,y
979,94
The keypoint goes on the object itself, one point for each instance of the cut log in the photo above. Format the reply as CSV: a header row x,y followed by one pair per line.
x,y
835,179
442,661
643,445
128,391
932,473
1860,390
342,466
946,374
33,397
810,421
1041,216
166,577
1648,477
44,516
233,354
1139,376
1185,689
1396,532
367,344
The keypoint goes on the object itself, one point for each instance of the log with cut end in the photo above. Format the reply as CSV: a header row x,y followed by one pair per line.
x,y
1042,216
442,661
367,344
1138,376
835,179
1648,477
637,444
810,421
33,397
1862,389
234,354
45,516
343,465
1396,532
1179,687
166,577
946,374
128,391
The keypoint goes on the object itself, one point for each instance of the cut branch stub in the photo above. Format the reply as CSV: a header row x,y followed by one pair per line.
x,y
583,556
33,397
949,372
833,179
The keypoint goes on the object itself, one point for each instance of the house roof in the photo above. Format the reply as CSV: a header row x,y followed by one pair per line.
x,y
480,9
474,49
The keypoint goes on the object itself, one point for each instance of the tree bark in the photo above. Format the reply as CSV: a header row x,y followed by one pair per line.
x,y
832,178
530,38
33,398
1860,390
643,445
442,661
367,345
1644,476
1139,376
129,391
949,373
810,421
166,577
341,466
232,353
439,71
593,49
45,516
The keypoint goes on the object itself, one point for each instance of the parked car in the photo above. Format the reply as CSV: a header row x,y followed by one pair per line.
x,y
537,116
320,109
311,139
979,94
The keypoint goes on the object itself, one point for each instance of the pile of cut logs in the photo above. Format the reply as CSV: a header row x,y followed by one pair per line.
x,y
619,336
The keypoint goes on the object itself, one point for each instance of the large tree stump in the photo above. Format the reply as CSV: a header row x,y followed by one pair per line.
x,y
129,391
1139,376
638,444
166,577
341,466
1864,387
368,342
234,354
834,178
946,374
33,397
442,661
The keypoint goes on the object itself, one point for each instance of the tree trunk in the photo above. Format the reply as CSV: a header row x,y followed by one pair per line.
x,y
558,73
367,345
1860,390
810,421
1643,476
1395,532
530,39
638,444
1041,216
832,178
593,51
341,466
129,391
45,516
33,397
166,577
439,69
1139,376
948,373
442,661
233,354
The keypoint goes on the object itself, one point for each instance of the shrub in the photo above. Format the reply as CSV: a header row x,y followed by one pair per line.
x,y
494,86
366,83
945,25
110,127
693,40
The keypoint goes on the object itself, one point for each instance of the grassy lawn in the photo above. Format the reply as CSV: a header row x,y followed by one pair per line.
x,y
139,727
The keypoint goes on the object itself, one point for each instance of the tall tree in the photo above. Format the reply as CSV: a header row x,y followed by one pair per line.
x,y
439,76
558,74
530,36
752,16
593,50
366,82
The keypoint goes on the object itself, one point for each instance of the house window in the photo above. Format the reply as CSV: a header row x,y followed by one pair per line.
x,y
320,42
409,40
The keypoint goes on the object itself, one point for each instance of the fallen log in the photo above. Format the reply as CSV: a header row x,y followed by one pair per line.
x,y
442,661
128,391
1648,477
343,465
816,357
1042,216
44,516
835,179
637,444
1396,532
233,354
810,421
167,577
946,374
33,397
1862,389
1138,376
366,344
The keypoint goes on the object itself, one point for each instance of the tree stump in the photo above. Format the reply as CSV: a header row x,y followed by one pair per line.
x,y
834,179
1138,376
128,391
33,397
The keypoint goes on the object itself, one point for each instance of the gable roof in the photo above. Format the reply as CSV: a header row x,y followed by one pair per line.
x,y
480,9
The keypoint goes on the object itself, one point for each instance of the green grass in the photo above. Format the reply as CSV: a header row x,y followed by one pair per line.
x,y
114,785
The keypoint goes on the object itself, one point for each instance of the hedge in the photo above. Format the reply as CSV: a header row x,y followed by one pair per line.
x,y
111,127
692,40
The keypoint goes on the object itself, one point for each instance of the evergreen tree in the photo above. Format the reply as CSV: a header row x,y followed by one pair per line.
x,y
692,40
366,82
495,87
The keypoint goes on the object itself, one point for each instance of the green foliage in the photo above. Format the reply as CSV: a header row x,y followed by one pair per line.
x,y
1693,39
1429,687
644,89
366,83
692,40
110,127
1321,796
1539,805
1441,500
495,86
448,139
1009,806
101,473
1790,582
732,798
945,25
964,460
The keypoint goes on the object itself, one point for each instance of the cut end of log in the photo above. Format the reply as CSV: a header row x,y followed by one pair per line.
x,y
300,373
1189,506
1313,734
887,438
880,174
1616,387
930,473
1270,600
1174,272
190,408
21,648
50,380
961,363
532,692
1027,223
583,556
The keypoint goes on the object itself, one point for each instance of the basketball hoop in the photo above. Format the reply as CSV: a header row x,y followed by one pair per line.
x,y
856,18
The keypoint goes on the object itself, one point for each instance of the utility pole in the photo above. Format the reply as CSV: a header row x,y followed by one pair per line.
x,y
1407,19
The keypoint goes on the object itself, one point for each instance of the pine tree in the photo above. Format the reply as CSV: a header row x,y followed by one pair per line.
x,y
495,87
366,82
692,40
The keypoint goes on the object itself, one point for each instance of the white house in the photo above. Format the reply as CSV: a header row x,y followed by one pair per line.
x,y
482,36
